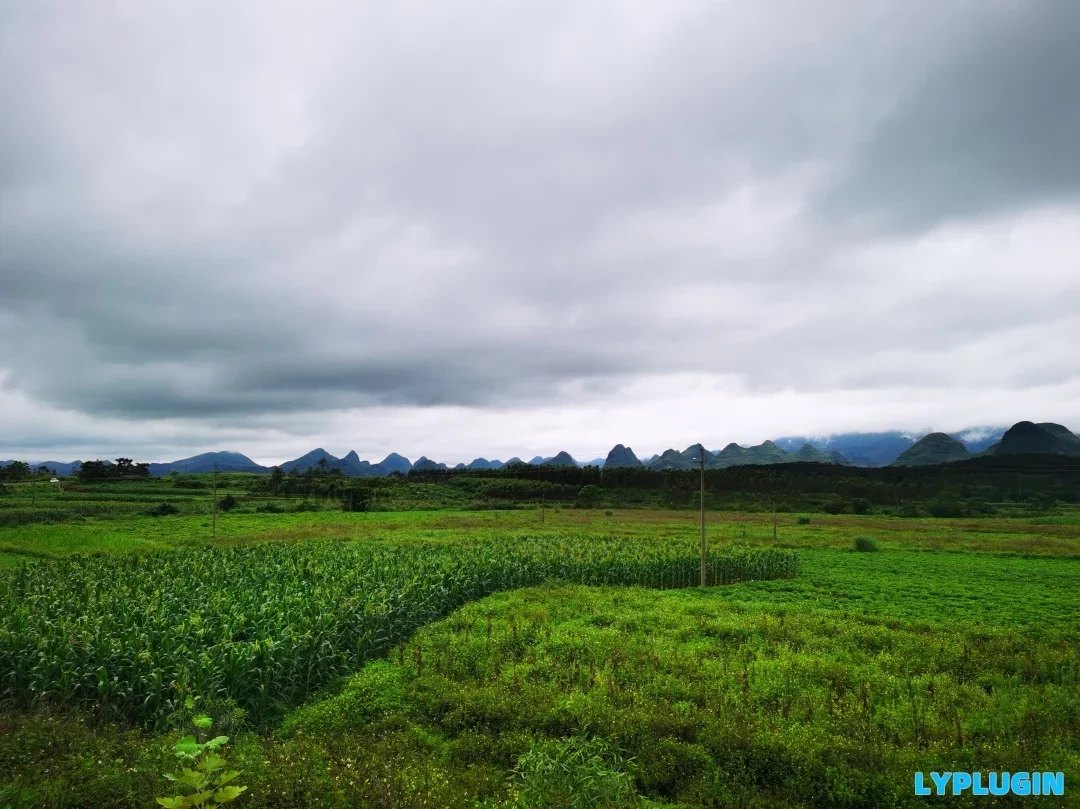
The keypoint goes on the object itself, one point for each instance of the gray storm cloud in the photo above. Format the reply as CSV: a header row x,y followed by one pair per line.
x,y
260,212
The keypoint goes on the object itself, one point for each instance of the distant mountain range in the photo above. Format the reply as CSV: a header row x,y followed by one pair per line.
x,y
858,449
881,449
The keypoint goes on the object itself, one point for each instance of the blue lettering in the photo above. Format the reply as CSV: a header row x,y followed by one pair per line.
x,y
990,783
1021,783
977,787
941,781
960,782
920,788
999,783
1053,783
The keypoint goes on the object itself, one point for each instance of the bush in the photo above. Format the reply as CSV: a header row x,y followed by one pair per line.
x,y
227,503
163,510
865,544
573,772
910,510
355,500
802,520
860,505
834,506
945,504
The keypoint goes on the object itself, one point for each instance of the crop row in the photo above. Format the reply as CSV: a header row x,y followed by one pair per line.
x,y
131,637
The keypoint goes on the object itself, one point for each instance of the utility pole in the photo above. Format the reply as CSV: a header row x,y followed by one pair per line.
x,y
701,458
213,507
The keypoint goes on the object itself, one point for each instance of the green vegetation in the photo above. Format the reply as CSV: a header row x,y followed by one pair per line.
x,y
865,544
263,626
484,657
204,778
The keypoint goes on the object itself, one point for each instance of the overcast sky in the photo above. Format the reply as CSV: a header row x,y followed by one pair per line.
x,y
464,228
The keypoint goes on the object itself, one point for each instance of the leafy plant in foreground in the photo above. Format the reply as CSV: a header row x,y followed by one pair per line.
x,y
574,772
204,774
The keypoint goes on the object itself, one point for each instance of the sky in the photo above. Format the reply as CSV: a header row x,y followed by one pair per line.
x,y
474,228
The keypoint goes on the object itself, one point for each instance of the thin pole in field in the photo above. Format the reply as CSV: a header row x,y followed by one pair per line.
x,y
213,507
701,457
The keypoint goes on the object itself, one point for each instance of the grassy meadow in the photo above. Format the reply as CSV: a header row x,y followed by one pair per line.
x,y
431,653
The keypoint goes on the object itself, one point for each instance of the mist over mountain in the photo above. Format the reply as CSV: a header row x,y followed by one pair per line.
x,y
858,449
808,453
932,449
881,449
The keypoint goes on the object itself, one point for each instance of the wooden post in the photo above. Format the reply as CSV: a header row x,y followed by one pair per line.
x,y
701,457
213,507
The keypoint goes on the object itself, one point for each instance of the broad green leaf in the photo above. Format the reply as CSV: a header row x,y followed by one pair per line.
x,y
227,794
211,762
179,802
228,776
193,778
188,747
216,742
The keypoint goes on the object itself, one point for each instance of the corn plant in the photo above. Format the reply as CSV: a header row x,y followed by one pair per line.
x,y
131,637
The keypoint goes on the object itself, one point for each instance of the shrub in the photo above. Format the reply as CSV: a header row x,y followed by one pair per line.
x,y
355,500
227,503
589,496
910,510
802,520
834,506
163,510
573,772
945,504
865,544
860,505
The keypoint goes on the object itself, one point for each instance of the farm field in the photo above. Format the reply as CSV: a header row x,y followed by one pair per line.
x,y
955,646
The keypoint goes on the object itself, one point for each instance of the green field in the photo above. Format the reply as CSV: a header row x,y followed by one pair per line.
x,y
442,656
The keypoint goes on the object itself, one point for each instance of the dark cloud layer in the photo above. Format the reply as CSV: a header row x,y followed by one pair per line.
x,y
991,129
214,215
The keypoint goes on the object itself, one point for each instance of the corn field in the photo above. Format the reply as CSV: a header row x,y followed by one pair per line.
x,y
130,637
